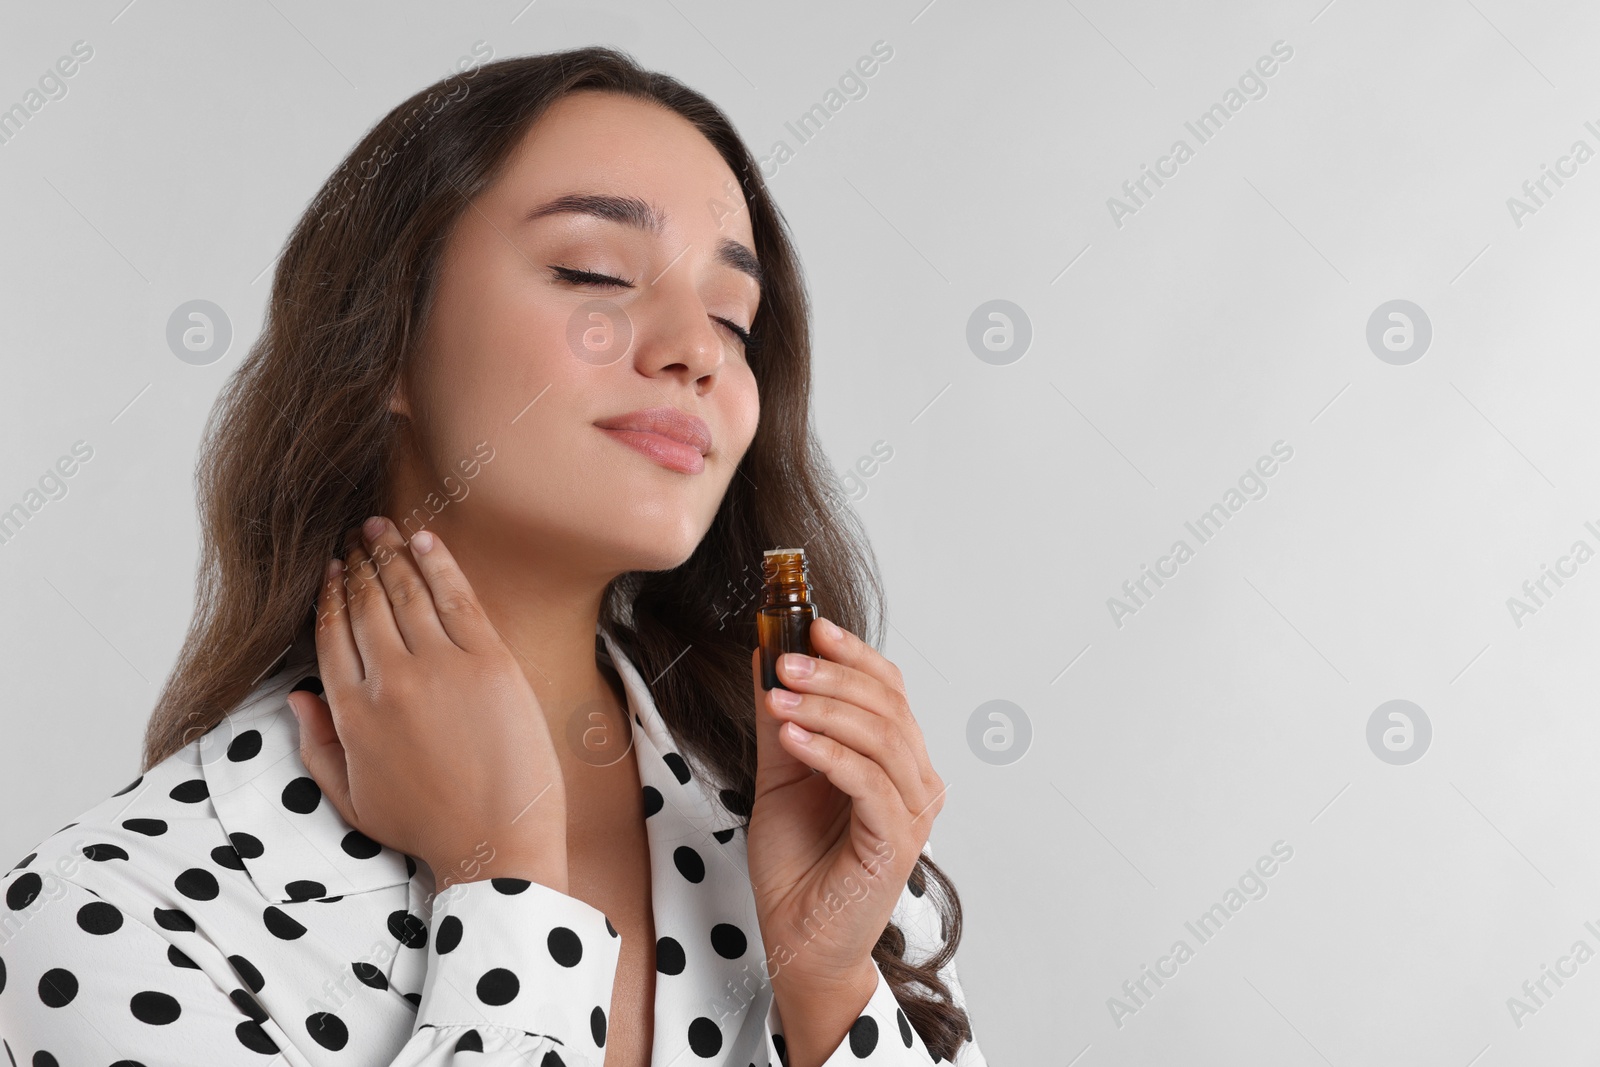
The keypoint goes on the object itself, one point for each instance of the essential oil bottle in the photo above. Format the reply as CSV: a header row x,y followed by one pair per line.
x,y
783,621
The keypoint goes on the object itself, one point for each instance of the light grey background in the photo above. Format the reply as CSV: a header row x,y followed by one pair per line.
x,y
1229,312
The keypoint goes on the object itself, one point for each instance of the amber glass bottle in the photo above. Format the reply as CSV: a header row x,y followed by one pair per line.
x,y
783,621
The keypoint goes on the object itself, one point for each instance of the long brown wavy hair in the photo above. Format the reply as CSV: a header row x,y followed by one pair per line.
x,y
298,445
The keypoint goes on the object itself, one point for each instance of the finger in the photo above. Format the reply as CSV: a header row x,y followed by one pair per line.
x,y
459,611
830,677
879,739
848,682
835,643
321,751
409,596
776,765
874,800
371,617
337,654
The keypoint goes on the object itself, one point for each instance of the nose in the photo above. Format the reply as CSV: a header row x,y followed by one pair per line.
x,y
675,333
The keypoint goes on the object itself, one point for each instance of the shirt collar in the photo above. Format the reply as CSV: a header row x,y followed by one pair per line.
x,y
292,841
296,846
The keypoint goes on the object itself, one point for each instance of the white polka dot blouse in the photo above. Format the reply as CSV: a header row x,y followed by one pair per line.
x,y
219,912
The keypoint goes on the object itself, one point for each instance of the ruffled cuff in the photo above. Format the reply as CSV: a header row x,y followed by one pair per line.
x,y
518,954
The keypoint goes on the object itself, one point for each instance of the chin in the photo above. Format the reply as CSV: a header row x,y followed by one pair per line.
x,y
663,554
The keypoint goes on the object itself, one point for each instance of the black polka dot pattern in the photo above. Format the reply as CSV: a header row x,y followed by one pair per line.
x,y
368,975
705,1038
197,884
728,941
689,863
192,791
220,910
174,919
328,1030
409,930
305,889
302,796
448,935
249,972
498,986
863,1036
227,856
357,844
58,987
23,891
102,852
155,1008
99,918
680,769
669,956
249,1005
283,926
245,746
248,846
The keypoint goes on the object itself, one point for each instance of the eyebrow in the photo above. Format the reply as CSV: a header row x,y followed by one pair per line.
x,y
641,215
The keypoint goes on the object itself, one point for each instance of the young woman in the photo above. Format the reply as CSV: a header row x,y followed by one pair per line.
x,y
495,779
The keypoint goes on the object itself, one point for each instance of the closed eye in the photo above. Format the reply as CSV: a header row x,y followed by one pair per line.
x,y
752,343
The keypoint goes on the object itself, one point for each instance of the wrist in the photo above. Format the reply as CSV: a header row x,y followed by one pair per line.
x,y
795,984
544,862
818,1011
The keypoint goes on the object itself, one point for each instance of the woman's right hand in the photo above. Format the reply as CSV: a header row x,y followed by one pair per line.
x,y
428,737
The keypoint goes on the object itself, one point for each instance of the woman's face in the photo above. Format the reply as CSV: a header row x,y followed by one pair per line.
x,y
525,359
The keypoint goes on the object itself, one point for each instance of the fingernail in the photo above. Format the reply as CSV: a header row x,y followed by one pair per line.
x,y
373,526
798,666
294,708
422,543
784,698
799,733
828,628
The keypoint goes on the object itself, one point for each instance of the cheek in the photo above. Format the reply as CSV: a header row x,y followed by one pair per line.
x,y
747,414
502,376
521,339
497,322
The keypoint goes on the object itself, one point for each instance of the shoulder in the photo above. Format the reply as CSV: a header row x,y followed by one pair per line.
x,y
147,826
145,838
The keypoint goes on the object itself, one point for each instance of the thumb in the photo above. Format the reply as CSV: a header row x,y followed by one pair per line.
x,y
776,766
321,751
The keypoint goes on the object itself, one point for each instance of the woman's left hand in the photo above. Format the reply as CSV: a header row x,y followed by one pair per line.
x,y
829,852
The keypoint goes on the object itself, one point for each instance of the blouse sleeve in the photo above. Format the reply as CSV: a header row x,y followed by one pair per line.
x,y
882,1033
515,970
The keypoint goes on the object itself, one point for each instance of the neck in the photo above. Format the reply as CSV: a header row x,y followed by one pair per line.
x,y
545,609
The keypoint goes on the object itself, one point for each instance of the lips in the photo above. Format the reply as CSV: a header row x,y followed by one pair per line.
x,y
672,438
